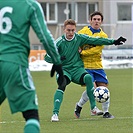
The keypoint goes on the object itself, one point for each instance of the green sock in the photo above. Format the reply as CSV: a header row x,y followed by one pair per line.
x,y
32,126
58,97
90,90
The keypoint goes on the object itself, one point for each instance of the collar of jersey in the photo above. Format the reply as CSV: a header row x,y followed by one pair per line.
x,y
94,30
69,39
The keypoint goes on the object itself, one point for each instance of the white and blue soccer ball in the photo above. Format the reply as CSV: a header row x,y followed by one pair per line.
x,y
101,94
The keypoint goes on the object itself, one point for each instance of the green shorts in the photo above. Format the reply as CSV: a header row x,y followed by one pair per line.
x,y
75,74
17,86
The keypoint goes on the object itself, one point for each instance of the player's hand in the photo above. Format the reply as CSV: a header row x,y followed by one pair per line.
x,y
120,41
58,69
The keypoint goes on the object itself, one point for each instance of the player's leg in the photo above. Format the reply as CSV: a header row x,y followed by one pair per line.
x,y
89,89
84,97
105,105
21,95
32,121
58,98
101,80
78,107
86,79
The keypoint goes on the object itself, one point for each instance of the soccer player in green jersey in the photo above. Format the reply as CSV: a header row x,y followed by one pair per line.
x,y
73,68
16,84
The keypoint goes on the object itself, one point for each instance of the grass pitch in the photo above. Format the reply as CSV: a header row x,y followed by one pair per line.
x,y
121,90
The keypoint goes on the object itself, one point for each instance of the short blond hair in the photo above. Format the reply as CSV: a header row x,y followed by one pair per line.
x,y
69,22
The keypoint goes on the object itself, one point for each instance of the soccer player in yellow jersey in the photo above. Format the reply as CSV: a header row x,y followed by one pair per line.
x,y
91,56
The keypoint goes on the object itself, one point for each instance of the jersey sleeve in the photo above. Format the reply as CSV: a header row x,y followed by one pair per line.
x,y
91,50
40,27
85,39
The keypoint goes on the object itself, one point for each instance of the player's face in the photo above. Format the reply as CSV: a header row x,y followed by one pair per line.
x,y
96,21
69,30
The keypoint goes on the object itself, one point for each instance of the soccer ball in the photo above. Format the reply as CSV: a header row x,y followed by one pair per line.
x,y
101,94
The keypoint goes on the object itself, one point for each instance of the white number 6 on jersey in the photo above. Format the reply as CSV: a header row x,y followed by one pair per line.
x,y
5,20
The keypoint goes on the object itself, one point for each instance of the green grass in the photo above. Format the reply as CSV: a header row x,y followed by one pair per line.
x,y
121,107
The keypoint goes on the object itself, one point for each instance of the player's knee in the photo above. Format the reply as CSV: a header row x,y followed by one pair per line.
x,y
87,78
63,87
83,77
31,114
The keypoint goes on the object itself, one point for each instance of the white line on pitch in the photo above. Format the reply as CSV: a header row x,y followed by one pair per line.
x,y
120,118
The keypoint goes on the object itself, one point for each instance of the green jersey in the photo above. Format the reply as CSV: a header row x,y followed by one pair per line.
x,y
68,49
15,22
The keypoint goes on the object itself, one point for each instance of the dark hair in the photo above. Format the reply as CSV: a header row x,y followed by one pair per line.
x,y
96,13
69,22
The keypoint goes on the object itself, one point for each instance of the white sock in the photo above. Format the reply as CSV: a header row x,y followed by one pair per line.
x,y
105,106
84,98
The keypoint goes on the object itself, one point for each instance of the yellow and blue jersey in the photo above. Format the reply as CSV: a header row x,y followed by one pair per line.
x,y
92,55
